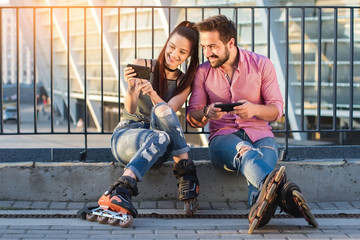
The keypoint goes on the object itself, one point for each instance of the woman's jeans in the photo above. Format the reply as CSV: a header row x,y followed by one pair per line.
x,y
254,164
139,145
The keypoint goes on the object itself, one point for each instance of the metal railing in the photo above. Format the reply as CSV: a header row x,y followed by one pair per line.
x,y
280,18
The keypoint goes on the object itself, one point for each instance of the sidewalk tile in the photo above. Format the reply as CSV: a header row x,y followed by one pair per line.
x,y
166,204
58,205
326,206
238,205
313,206
343,205
75,205
91,204
356,204
22,204
148,205
220,205
6,204
40,205
203,205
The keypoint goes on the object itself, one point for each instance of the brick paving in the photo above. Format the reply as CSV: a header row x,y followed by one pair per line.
x,y
175,228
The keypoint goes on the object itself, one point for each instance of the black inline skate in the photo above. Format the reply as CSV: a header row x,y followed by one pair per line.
x,y
294,203
115,205
265,206
188,183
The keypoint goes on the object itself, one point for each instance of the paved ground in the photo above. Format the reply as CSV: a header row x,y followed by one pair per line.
x,y
334,223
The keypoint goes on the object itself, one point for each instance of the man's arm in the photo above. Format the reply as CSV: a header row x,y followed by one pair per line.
x,y
268,112
272,108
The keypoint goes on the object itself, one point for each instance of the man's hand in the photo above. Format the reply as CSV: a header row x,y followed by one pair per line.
x,y
214,113
246,110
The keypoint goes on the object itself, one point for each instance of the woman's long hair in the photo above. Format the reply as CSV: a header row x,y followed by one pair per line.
x,y
185,29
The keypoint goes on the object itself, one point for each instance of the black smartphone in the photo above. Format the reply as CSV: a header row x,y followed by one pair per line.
x,y
141,71
227,107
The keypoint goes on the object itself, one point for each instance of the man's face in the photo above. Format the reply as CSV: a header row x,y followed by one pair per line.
x,y
214,49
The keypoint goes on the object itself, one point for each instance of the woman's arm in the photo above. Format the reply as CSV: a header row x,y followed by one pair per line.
x,y
177,101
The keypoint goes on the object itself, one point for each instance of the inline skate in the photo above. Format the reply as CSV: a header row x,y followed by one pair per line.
x,y
265,206
115,205
188,184
294,203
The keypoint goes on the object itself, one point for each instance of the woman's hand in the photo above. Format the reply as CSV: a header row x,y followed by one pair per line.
x,y
129,74
146,87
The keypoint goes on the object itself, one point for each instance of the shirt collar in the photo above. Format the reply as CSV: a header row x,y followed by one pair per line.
x,y
241,58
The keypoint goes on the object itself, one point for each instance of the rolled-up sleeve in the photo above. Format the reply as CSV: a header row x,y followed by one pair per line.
x,y
198,98
270,88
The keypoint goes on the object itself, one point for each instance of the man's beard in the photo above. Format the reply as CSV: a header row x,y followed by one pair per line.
x,y
220,61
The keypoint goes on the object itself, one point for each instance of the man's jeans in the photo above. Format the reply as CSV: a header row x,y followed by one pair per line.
x,y
254,164
139,145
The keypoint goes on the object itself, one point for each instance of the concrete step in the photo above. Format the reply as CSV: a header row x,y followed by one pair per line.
x,y
321,180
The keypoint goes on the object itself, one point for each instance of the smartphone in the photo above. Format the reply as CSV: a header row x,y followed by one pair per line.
x,y
141,71
227,107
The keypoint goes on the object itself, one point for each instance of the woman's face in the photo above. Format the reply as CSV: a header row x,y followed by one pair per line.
x,y
177,50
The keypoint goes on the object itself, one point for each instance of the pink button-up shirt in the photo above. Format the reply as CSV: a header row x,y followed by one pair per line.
x,y
254,79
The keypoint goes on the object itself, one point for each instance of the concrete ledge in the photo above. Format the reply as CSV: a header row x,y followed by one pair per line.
x,y
320,180
294,153
72,154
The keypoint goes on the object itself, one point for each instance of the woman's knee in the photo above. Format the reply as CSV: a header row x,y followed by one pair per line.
x,y
162,110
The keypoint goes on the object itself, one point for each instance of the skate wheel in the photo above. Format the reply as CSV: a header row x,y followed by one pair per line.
x,y
189,211
279,174
253,226
305,207
190,207
270,193
102,219
113,221
300,200
311,219
91,217
261,209
299,196
127,222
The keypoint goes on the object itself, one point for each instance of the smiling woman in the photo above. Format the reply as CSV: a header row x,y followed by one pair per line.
x,y
150,132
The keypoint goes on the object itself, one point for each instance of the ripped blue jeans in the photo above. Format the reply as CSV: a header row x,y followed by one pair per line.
x,y
139,145
255,164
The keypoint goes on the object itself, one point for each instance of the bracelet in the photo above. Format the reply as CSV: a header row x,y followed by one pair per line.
x,y
206,111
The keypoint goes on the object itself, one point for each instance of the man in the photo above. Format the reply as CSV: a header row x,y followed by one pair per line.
x,y
241,139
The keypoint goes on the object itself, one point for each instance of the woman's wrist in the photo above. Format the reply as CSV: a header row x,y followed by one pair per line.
x,y
131,89
153,93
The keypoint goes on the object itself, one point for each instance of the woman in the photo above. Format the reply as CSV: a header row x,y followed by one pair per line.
x,y
150,132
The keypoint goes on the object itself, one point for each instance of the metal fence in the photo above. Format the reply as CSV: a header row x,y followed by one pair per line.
x,y
287,48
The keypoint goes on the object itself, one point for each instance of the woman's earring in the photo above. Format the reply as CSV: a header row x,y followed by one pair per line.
x,y
187,61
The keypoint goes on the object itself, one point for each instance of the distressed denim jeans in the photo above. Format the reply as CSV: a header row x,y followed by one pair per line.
x,y
255,164
139,145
